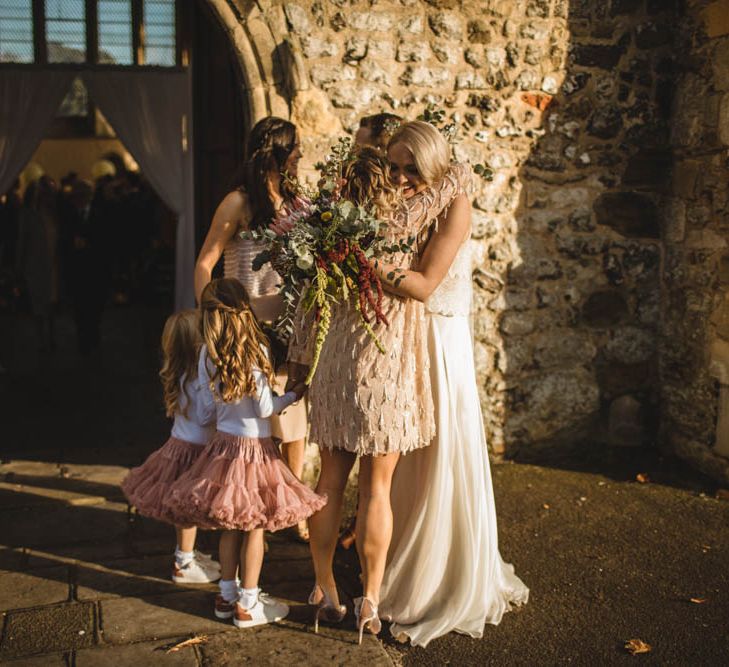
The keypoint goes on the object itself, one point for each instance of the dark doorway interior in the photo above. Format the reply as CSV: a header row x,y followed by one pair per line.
x,y
220,120
107,408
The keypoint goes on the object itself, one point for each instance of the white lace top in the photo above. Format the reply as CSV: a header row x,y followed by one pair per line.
x,y
453,296
262,285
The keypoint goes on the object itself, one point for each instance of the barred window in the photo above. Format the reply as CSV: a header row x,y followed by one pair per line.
x,y
115,32
159,32
16,31
97,32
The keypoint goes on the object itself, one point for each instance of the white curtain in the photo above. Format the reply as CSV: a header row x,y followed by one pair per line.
x,y
28,101
151,114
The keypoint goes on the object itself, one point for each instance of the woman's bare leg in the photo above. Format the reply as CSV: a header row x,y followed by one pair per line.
x,y
293,453
374,520
324,525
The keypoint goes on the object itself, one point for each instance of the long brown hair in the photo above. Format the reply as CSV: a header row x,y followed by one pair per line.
x,y
270,144
181,342
236,345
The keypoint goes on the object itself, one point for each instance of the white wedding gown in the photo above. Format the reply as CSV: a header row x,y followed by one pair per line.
x,y
444,569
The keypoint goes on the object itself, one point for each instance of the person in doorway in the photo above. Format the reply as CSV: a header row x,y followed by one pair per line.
x,y
85,258
272,157
37,255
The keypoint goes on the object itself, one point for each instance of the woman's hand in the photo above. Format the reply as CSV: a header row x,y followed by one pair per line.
x,y
299,389
296,374
435,260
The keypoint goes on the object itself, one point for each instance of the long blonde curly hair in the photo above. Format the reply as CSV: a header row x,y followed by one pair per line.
x,y
181,342
368,181
236,345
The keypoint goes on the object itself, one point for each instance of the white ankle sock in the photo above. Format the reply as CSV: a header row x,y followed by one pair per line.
x,y
229,589
183,557
248,597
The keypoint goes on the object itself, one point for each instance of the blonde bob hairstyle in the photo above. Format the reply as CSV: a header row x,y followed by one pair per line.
x,y
236,345
431,152
181,342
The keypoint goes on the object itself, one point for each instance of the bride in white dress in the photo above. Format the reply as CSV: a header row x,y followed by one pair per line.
x,y
444,569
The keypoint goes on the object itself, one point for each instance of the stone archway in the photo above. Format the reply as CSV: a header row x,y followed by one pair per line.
x,y
272,68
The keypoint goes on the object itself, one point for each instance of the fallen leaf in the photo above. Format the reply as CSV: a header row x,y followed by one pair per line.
x,y
642,478
722,494
200,639
636,646
698,600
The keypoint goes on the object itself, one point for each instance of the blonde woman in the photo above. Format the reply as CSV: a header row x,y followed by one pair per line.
x,y
273,153
445,572
369,405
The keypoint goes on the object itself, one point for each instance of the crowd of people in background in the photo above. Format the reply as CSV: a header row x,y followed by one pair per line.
x,y
82,245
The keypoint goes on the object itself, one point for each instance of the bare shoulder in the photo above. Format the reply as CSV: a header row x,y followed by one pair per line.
x,y
236,200
235,207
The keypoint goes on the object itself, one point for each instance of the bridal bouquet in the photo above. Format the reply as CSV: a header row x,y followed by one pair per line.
x,y
321,247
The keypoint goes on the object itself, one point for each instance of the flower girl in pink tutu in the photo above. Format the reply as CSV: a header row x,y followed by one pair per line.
x,y
240,483
148,485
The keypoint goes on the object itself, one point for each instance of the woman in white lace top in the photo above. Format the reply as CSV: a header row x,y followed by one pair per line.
x,y
444,571
273,151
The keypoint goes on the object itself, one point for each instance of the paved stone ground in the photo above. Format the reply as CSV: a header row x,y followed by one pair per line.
x,y
83,582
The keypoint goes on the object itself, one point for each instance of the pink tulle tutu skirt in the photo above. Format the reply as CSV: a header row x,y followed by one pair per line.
x,y
148,485
241,483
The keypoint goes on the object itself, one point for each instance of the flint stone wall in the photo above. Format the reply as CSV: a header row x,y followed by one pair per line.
x,y
571,104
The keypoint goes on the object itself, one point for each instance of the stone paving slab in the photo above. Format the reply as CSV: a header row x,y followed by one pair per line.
x,y
127,620
38,495
55,660
129,577
296,570
277,645
22,590
43,527
81,554
47,630
35,468
137,655
11,560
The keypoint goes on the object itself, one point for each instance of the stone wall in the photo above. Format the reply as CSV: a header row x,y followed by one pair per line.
x,y
569,103
695,278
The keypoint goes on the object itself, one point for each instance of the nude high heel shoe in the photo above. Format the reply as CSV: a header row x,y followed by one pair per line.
x,y
326,610
371,619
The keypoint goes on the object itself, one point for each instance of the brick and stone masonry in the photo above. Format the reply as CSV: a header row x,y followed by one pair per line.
x,y
601,273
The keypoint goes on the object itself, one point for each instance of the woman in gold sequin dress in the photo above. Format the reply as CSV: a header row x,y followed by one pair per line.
x,y
273,150
365,403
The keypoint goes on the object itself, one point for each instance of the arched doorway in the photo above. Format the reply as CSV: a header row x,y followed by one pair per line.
x,y
196,45
100,44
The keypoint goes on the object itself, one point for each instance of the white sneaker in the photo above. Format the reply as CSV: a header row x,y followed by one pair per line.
x,y
206,560
266,610
194,572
